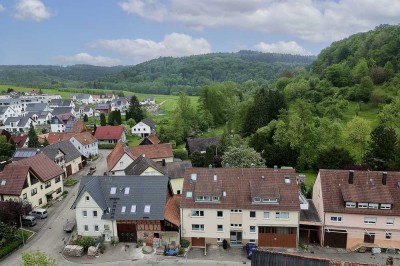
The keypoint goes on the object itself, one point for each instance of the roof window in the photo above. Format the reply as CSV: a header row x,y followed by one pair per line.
x,y
113,190
147,208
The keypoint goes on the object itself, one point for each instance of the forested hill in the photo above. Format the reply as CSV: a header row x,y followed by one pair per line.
x,y
168,75
57,76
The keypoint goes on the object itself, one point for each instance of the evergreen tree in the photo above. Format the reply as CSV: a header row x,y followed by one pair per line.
x,y
135,110
85,118
94,128
127,115
118,117
103,121
111,118
33,138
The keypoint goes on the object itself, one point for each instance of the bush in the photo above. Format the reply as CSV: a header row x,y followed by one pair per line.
x,y
181,251
70,182
10,247
108,146
102,247
85,242
185,243
181,154
65,193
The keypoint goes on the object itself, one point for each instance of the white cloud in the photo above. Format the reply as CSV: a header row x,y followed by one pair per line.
x,y
318,21
2,8
31,10
85,58
282,47
139,50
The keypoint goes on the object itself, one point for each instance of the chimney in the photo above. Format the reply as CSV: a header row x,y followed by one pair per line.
x,y
384,177
209,166
275,168
215,178
351,176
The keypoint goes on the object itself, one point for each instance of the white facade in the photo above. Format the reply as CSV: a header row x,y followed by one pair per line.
x,y
88,219
122,163
141,130
14,127
8,112
85,149
57,128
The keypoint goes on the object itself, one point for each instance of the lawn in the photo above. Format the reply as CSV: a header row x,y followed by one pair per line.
x,y
11,246
310,177
363,110
133,140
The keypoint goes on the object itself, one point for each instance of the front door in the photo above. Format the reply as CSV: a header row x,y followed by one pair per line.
x,y
369,238
236,238
106,237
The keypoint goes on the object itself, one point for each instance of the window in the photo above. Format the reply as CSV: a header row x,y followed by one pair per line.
x,y
197,213
24,196
336,219
287,179
59,190
178,192
370,220
220,214
34,191
256,199
373,206
47,184
87,198
220,228
282,215
133,208
197,227
202,198
266,215
252,241
40,201
390,221
266,200
252,214
220,239
252,229
126,191
57,179
215,198
86,228
147,208
362,205
84,213
350,204
106,227
121,163
123,209
236,225
189,194
113,190
388,236
96,228
236,210
94,213
386,206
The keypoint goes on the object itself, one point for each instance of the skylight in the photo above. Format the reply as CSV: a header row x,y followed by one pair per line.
x,y
287,179
147,208
123,209
189,194
126,192
113,190
133,208
3,182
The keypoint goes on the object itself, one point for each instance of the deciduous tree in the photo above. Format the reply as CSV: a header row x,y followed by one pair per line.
x,y
245,157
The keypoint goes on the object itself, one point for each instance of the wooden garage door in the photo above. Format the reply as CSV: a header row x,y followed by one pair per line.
x,y
69,170
277,236
198,241
127,232
335,239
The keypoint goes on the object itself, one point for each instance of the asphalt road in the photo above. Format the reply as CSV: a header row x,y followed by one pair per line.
x,y
50,235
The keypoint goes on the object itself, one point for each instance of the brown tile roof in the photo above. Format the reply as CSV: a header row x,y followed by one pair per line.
x,y
15,176
150,139
43,167
172,213
201,144
119,150
367,187
55,137
85,138
236,183
108,132
19,139
156,151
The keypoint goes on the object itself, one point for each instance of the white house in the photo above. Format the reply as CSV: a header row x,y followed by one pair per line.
x,y
6,112
40,118
86,144
17,124
81,111
144,128
83,98
119,158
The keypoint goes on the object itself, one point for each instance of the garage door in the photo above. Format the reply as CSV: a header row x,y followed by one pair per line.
x,y
336,239
277,236
198,241
69,170
127,232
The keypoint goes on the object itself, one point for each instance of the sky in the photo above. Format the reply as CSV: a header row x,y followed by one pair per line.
x,y
128,32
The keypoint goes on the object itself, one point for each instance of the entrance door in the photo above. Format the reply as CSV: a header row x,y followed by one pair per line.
x,y
106,237
369,238
236,238
127,232
69,170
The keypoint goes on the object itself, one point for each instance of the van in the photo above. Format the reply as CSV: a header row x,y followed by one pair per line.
x,y
39,213
28,220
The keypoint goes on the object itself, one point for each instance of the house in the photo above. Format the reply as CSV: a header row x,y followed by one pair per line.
x,y
40,117
241,205
144,128
36,108
148,101
82,98
144,166
65,155
17,124
83,110
20,140
5,112
75,126
150,140
358,208
103,108
127,209
119,158
61,103
110,134
86,144
201,144
121,104
36,179
157,152
176,171
59,122
23,153
55,137
63,110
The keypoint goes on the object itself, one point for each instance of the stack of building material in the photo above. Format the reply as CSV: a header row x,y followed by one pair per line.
x,y
73,250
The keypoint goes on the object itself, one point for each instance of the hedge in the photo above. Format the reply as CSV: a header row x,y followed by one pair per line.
x,y
108,146
181,154
11,246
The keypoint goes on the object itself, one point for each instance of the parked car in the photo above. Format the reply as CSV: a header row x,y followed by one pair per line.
x,y
249,249
28,220
39,213
69,226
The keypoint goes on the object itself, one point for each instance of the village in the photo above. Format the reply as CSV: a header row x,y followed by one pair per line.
x,y
105,197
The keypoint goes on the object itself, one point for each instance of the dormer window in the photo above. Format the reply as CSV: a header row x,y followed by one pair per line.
x,y
3,182
215,198
287,179
266,200
193,177
126,191
350,204
203,198
362,205
257,199
373,205
147,208
386,206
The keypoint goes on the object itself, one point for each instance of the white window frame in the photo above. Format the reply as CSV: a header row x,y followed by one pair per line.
x,y
133,208
147,208
370,220
287,179
362,205
113,190
257,199
390,221
220,239
189,194
336,219
123,209
279,214
220,230
198,227
373,206
197,213
126,190
84,214
350,204
220,216
266,214
252,231
386,206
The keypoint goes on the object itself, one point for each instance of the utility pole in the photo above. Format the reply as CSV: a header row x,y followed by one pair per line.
x,y
22,231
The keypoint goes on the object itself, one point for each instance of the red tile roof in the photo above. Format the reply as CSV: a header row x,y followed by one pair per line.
x,y
109,132
367,187
43,167
19,139
172,213
237,184
155,151
55,137
119,150
85,138
15,176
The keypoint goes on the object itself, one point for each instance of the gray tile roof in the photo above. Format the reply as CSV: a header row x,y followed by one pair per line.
x,y
66,147
22,121
60,102
143,190
149,122
35,107
62,110
176,169
140,164
82,96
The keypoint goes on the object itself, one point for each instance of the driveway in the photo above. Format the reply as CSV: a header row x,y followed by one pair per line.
x,y
50,235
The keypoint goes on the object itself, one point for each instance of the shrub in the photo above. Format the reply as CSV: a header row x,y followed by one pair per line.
x,y
85,242
181,251
181,154
185,243
70,182
10,247
108,146
140,242
102,247
65,193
